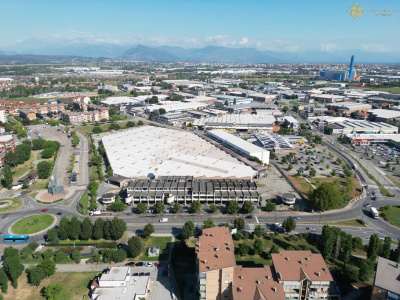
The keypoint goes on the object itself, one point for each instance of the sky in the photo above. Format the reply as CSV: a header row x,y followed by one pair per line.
x,y
276,25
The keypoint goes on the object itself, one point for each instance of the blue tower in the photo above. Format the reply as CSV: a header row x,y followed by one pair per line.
x,y
351,68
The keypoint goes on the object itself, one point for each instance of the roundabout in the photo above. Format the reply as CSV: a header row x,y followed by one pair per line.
x,y
33,224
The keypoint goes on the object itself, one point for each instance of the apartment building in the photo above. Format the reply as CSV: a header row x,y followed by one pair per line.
x,y
215,264
303,275
3,115
6,145
27,113
219,277
186,189
387,280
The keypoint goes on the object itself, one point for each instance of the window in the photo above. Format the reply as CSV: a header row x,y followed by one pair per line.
x,y
226,275
226,282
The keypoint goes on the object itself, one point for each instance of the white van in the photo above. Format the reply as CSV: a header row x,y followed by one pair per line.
x,y
163,220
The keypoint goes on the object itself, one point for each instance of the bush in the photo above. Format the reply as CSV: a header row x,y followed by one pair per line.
x,y
361,221
60,257
270,206
108,245
117,206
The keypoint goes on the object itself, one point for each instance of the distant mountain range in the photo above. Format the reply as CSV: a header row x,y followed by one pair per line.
x,y
210,54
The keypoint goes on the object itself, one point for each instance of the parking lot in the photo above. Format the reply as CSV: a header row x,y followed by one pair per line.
x,y
380,155
160,281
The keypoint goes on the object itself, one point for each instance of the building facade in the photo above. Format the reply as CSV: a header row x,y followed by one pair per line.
x,y
6,145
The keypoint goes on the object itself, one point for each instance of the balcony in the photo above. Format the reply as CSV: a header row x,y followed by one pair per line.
x,y
202,281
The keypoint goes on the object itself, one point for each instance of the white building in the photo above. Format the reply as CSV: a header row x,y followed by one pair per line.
x,y
118,283
239,145
3,116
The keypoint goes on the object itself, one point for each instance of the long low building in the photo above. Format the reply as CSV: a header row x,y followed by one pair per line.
x,y
368,139
272,141
365,127
186,189
238,122
239,145
151,151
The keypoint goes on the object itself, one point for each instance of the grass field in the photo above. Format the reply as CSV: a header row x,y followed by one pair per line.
x,y
161,242
85,202
393,90
392,215
76,285
21,169
32,224
353,223
17,203
304,187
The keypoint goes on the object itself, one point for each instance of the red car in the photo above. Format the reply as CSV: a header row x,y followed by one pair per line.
x,y
44,210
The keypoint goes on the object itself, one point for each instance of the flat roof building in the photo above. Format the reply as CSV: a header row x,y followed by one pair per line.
x,y
150,151
238,122
387,280
272,141
382,115
240,145
365,127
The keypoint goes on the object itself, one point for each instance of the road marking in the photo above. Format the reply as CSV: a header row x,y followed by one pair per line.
x,y
257,220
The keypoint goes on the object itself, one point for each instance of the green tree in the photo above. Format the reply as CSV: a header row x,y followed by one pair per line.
x,y
285,109
243,249
74,228
195,206
374,246
48,253
209,223
60,257
141,207
159,207
76,256
239,223
117,228
114,126
213,208
52,234
358,243
333,172
52,291
325,196
35,275
47,152
350,273
247,207
97,130
130,124
148,230
38,144
134,246
232,207
290,167
386,247
326,242
117,206
187,230
177,207
107,230
44,169
64,228
366,269
75,140
289,224
48,267
7,179
258,247
86,229
140,123
270,206
259,231
98,227
3,281
313,172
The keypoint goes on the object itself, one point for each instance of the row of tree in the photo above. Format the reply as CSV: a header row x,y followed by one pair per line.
x,y
75,229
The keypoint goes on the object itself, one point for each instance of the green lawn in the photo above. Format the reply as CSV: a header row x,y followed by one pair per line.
x,y
392,215
21,169
88,129
85,202
393,90
17,203
353,223
32,224
75,285
161,242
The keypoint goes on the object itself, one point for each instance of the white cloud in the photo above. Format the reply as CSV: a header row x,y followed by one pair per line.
x,y
329,47
377,48
244,41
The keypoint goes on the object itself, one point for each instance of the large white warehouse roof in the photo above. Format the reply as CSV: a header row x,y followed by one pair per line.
x,y
148,151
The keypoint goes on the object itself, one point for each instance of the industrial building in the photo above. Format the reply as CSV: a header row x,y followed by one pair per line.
x,y
272,141
238,122
186,189
368,139
176,106
365,127
230,100
383,115
151,151
251,107
239,145
328,98
340,75
349,107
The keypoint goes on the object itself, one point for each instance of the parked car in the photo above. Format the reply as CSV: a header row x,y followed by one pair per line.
x,y
139,264
158,264
367,205
297,218
130,264
310,228
59,213
148,264
44,210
